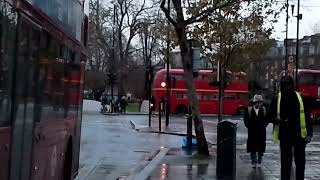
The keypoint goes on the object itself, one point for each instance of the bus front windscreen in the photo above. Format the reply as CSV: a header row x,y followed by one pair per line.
x,y
310,79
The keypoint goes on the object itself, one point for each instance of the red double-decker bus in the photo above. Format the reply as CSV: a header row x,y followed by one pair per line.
x,y
235,95
42,57
309,87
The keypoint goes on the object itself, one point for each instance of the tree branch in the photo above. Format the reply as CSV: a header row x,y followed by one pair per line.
x,y
205,13
167,13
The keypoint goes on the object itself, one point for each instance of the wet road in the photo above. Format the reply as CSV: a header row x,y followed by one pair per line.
x,y
110,148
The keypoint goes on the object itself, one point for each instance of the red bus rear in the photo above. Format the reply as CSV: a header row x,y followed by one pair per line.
x,y
309,87
235,96
42,57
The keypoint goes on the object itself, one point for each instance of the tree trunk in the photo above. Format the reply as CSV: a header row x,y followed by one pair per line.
x,y
188,78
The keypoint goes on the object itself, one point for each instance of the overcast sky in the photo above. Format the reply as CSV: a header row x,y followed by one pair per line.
x,y
310,9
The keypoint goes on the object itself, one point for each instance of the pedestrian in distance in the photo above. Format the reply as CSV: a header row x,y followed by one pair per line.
x,y
108,105
292,127
117,105
152,104
123,105
104,102
162,106
256,121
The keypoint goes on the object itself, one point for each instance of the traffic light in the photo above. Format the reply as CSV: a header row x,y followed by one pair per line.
x,y
149,73
112,78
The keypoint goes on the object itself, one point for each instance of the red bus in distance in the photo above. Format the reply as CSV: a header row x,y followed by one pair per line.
x,y
235,95
309,87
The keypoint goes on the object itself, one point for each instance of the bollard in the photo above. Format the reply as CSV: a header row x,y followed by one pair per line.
x,y
226,149
150,112
160,109
189,132
167,112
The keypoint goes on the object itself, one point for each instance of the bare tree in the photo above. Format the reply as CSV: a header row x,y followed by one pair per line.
x,y
316,28
180,24
190,19
100,49
129,16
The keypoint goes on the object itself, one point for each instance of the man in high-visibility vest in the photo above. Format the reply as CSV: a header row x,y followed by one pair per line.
x,y
292,127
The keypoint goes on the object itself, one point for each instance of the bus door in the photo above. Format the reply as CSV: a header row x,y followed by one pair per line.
x,y
56,117
24,108
8,24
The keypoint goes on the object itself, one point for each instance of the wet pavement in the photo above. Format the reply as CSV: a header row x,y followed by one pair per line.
x,y
180,166
111,148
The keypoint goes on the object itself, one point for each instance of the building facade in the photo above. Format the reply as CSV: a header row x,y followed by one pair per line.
x,y
274,60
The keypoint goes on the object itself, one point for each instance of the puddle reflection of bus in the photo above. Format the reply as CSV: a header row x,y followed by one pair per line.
x,y
235,95
42,55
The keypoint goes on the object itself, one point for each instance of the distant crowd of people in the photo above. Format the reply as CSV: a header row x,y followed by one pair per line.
x,y
110,105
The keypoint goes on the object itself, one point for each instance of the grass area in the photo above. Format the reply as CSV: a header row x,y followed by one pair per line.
x,y
133,107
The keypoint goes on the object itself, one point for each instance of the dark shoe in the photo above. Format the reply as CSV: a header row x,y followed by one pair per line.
x,y
253,165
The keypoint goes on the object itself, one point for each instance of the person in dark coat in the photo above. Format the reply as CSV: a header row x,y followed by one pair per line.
x,y
256,122
104,102
123,105
292,127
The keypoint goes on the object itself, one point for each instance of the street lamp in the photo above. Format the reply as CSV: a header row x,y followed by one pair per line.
x,y
299,17
286,41
168,76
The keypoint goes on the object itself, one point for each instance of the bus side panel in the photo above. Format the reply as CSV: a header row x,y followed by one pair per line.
x,y
157,95
208,107
4,151
176,102
173,101
50,137
229,107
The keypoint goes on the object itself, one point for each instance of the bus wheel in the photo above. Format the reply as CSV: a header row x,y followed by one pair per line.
x,y
241,111
181,110
68,162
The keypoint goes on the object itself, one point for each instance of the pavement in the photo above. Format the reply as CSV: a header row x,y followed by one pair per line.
x,y
111,149
120,147
179,165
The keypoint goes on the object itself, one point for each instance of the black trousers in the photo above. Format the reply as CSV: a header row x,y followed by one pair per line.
x,y
123,110
288,149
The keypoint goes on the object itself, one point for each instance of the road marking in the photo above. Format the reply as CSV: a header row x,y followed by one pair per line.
x,y
102,123
145,173
87,174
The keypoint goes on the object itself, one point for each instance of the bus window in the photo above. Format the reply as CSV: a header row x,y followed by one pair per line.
x,y
185,96
199,96
229,97
7,39
306,78
8,24
214,97
51,79
317,76
205,78
179,96
243,96
205,97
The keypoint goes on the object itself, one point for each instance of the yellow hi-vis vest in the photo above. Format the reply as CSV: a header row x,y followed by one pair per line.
x,y
302,119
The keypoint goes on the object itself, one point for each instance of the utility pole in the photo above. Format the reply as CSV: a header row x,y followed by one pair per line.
x,y
220,82
299,17
286,41
168,78
113,54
